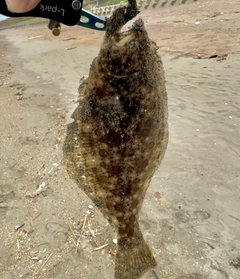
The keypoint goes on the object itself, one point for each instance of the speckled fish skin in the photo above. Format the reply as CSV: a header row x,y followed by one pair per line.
x,y
119,136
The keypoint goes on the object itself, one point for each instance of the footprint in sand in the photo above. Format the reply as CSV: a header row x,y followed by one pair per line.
x,y
202,215
59,232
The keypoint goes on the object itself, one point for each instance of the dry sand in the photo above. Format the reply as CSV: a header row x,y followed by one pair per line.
x,y
194,227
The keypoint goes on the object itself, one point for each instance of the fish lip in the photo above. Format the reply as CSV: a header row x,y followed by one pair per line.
x,y
122,38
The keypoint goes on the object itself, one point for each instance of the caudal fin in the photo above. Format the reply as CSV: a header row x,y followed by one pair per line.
x,y
134,260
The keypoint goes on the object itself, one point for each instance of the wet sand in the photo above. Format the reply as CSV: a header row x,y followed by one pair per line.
x,y
194,228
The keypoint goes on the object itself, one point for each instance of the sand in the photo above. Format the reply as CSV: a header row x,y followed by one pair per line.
x,y
49,228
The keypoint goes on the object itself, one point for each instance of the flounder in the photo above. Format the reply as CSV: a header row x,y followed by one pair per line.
x,y
119,136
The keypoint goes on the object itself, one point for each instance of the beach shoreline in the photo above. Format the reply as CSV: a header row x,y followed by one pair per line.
x,y
50,229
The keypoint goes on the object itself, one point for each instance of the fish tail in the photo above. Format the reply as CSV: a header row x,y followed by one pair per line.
x,y
133,259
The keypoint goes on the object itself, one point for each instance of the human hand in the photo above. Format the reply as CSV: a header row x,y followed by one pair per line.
x,y
21,6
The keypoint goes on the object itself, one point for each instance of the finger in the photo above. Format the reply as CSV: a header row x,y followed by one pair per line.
x,y
21,6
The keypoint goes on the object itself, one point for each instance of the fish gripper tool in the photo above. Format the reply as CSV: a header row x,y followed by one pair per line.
x,y
69,13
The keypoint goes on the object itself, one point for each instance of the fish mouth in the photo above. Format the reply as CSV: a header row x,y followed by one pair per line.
x,y
123,52
120,17
123,39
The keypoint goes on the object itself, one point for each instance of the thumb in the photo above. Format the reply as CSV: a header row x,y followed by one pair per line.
x,y
21,6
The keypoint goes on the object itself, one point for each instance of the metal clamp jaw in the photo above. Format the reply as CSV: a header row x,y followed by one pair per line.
x,y
87,20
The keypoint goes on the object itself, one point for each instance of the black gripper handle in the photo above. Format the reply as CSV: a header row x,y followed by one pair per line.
x,y
66,12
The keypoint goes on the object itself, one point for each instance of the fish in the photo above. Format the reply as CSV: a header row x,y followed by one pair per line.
x,y
119,135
